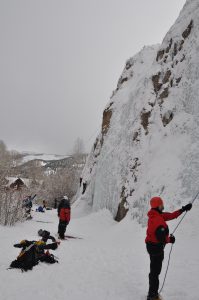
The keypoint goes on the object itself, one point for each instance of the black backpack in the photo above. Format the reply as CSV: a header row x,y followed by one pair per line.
x,y
32,252
28,258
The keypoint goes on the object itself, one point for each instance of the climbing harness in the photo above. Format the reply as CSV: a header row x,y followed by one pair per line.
x,y
169,259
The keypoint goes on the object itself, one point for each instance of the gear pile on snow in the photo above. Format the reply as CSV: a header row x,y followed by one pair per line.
x,y
35,251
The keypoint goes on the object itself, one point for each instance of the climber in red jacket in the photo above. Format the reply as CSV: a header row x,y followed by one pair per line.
x,y
156,239
64,214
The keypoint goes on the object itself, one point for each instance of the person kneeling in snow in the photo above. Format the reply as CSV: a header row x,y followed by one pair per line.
x,y
157,237
64,212
34,251
46,256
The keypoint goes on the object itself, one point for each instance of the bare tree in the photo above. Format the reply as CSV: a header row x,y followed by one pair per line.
x,y
10,200
35,171
5,162
56,185
8,161
11,210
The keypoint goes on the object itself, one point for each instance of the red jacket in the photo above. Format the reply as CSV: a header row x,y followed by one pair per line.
x,y
157,220
64,214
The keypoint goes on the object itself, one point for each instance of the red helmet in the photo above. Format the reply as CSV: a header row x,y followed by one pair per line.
x,y
156,202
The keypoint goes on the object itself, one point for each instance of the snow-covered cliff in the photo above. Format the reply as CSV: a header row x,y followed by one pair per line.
x,y
149,141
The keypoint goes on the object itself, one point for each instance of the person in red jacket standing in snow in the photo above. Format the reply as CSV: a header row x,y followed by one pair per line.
x,y
156,239
64,213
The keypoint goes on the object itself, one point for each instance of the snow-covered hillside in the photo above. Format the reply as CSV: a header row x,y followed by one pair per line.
x,y
42,156
109,263
149,142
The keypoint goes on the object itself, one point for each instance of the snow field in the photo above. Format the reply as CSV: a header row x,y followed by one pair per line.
x,y
109,263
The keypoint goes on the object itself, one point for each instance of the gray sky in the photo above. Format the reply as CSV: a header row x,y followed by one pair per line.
x,y
60,61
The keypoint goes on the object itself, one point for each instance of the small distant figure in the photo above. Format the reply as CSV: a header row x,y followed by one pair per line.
x,y
27,204
64,213
84,187
55,203
45,235
44,204
80,181
40,209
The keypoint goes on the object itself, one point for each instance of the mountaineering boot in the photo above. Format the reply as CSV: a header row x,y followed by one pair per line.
x,y
158,297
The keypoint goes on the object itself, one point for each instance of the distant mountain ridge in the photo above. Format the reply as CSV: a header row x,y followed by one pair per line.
x,y
42,156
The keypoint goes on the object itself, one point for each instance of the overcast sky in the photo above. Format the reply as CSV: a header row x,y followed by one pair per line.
x,y
60,61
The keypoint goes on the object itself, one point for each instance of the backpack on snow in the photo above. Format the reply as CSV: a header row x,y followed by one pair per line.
x,y
27,258
32,252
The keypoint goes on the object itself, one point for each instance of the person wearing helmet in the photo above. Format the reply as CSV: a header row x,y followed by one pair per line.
x,y
64,212
157,237
45,235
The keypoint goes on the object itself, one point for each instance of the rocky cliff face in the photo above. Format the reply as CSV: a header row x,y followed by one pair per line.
x,y
149,141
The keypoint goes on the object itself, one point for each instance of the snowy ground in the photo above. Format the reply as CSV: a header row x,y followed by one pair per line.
x,y
109,263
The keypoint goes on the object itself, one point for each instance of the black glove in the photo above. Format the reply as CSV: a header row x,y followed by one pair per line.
x,y
186,207
18,245
52,246
172,239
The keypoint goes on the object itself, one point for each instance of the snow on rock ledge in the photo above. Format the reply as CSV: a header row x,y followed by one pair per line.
x,y
149,142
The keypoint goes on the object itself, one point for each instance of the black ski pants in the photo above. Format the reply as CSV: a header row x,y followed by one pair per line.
x,y
62,228
156,254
